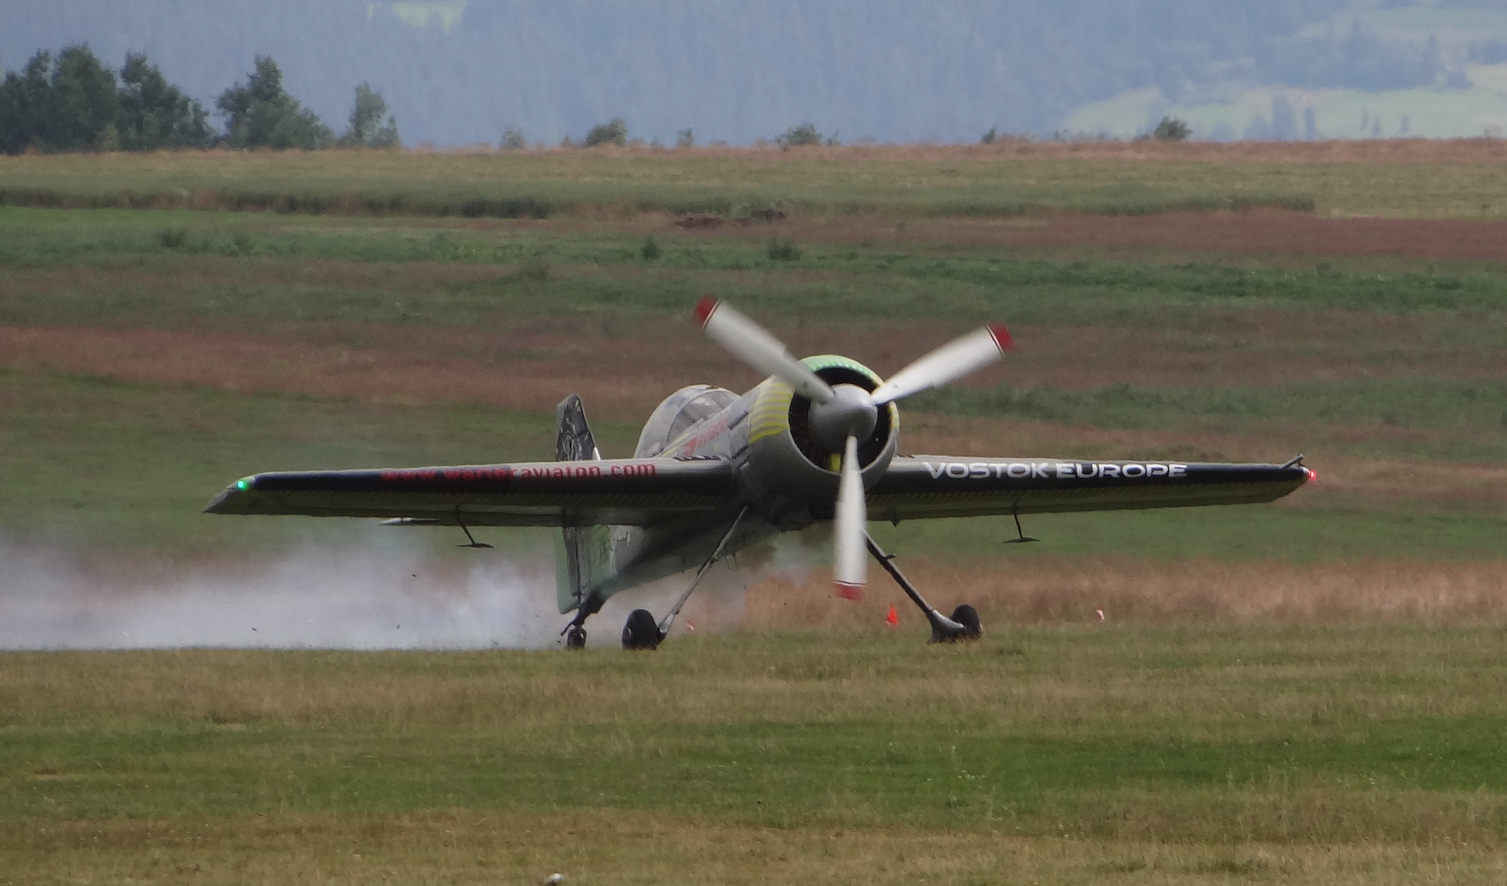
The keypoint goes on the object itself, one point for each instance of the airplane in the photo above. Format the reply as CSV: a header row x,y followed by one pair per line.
x,y
715,472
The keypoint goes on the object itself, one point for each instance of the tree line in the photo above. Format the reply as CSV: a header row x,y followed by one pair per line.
x,y
72,102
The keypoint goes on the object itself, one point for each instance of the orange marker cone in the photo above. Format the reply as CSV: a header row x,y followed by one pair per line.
x,y
893,619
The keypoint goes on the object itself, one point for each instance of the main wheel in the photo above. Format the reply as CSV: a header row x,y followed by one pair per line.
x,y
968,617
641,631
575,637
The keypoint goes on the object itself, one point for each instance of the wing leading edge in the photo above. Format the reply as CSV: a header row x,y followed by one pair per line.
x,y
917,487
628,492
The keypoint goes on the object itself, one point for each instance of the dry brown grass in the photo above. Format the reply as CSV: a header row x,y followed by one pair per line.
x,y
635,847
1052,590
624,367
1423,178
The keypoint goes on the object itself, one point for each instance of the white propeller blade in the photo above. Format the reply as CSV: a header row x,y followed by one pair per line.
x,y
849,524
947,363
749,342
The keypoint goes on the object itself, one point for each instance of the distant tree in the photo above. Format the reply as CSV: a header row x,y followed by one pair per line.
x,y
366,129
513,140
990,137
261,114
1171,129
613,132
686,139
801,136
26,106
85,104
67,103
156,114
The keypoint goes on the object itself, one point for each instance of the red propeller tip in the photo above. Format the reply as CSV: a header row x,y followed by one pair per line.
x,y
704,309
849,591
1001,336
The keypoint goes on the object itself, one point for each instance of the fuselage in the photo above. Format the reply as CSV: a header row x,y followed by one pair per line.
x,y
787,479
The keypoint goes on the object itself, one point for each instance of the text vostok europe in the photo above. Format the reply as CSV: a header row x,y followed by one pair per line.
x,y
1053,470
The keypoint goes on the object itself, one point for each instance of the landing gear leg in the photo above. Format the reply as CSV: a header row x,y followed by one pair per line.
x,y
575,632
641,632
964,623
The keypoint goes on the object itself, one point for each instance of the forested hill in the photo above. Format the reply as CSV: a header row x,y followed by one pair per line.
x,y
462,71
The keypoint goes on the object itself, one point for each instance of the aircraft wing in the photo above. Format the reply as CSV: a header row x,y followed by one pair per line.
x,y
923,486
634,492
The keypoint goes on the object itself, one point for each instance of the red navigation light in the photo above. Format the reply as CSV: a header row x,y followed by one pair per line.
x,y
1313,476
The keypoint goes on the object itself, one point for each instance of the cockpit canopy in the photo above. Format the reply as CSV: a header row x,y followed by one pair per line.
x,y
677,413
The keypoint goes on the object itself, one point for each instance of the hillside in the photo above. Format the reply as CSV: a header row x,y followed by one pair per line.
x,y
463,71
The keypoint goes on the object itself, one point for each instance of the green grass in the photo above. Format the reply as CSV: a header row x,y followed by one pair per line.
x,y
1440,418
904,181
542,184
129,466
158,267
1170,745
1393,731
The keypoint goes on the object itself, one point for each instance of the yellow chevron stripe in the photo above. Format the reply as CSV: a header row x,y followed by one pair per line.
x,y
770,415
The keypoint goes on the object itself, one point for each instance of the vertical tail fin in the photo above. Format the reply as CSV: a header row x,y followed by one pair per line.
x,y
574,443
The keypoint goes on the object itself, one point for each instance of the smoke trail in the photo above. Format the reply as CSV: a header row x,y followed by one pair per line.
x,y
362,596
377,592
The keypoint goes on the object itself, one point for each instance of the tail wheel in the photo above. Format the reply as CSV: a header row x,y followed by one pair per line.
x,y
575,637
641,631
968,617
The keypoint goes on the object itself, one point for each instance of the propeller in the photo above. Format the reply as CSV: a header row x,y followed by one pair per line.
x,y
749,342
844,414
849,565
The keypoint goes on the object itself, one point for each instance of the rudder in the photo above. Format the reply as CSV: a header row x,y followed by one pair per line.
x,y
574,442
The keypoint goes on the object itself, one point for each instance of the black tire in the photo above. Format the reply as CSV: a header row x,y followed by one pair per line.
x,y
641,631
968,617
575,637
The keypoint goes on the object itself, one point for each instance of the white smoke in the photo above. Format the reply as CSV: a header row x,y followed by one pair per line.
x,y
362,596
369,592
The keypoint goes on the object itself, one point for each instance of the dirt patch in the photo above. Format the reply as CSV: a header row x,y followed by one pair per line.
x,y
525,371
625,367
1259,231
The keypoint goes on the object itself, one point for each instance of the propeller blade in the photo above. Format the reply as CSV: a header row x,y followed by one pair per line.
x,y
749,342
849,524
948,363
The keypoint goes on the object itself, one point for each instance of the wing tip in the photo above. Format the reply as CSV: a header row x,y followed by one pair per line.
x,y
1001,336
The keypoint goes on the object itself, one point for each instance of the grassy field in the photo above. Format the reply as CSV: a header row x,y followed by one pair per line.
x,y
1300,754
1303,692
1418,178
168,352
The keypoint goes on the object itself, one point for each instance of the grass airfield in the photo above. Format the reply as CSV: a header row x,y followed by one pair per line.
x,y
1064,754
1306,692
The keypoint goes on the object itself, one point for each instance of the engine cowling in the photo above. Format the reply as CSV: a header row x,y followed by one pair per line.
x,y
786,459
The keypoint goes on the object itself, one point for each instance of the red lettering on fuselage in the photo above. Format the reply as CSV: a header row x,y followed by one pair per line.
x,y
560,472
448,474
702,438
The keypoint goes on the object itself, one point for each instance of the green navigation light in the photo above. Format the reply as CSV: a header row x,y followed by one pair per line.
x,y
242,485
